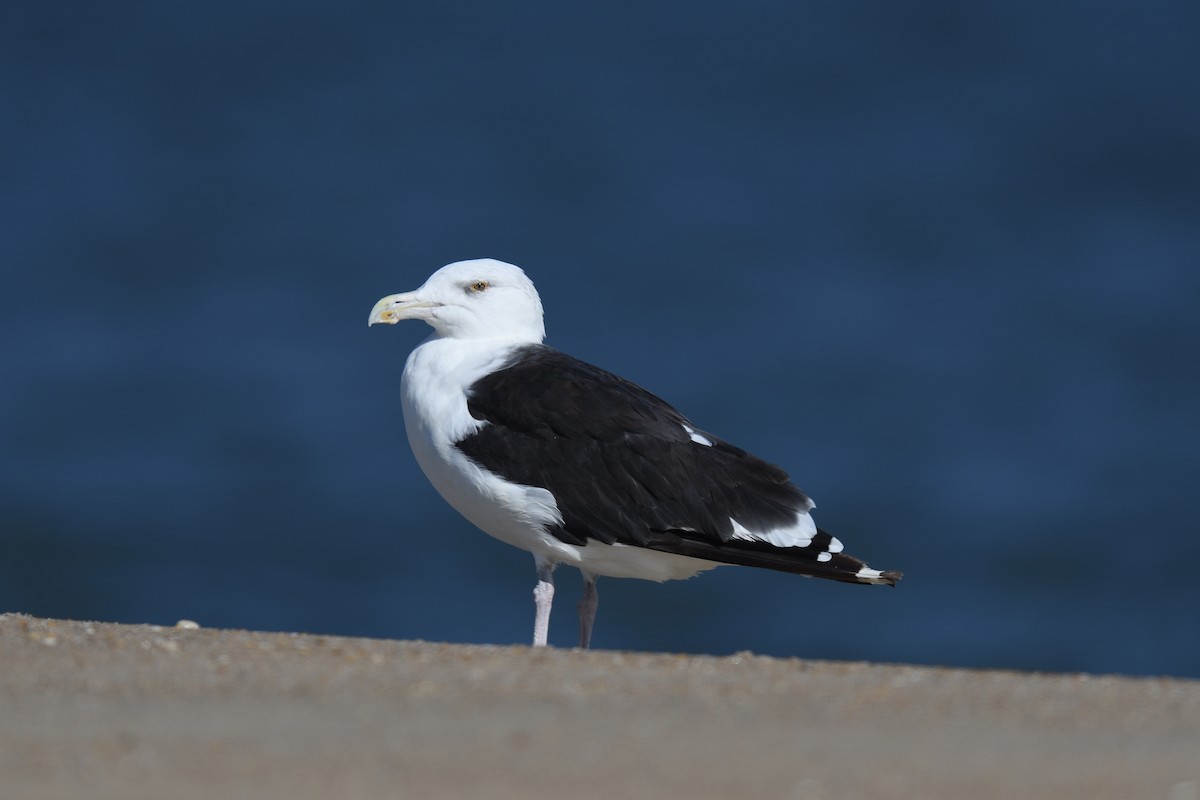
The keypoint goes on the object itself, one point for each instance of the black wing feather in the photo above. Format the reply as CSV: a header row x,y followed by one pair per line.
x,y
623,469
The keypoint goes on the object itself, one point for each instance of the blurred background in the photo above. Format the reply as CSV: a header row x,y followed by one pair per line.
x,y
940,261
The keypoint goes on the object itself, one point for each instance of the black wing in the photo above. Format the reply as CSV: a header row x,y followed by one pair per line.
x,y
623,467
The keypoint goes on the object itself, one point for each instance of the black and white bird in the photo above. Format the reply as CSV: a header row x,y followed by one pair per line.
x,y
578,466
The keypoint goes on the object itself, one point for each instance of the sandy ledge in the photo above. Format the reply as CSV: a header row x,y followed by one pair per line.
x,y
101,710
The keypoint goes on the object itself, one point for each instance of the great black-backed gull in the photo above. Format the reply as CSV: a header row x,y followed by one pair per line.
x,y
578,466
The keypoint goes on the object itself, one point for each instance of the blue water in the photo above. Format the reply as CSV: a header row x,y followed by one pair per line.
x,y
940,261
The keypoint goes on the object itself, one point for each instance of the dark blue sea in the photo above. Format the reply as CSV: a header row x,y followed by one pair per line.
x,y
939,260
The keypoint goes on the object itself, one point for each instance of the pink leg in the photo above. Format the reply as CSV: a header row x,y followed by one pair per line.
x,y
543,597
587,610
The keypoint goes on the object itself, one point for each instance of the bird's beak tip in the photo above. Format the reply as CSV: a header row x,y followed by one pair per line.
x,y
384,312
382,318
396,307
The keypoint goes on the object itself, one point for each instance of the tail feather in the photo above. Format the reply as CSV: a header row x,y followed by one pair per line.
x,y
797,560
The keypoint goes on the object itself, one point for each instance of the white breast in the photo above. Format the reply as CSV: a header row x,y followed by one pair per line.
x,y
433,390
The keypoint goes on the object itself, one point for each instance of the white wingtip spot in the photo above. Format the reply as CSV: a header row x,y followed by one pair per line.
x,y
697,438
801,535
868,574
835,546
824,557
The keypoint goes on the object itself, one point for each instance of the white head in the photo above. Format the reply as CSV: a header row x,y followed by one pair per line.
x,y
479,299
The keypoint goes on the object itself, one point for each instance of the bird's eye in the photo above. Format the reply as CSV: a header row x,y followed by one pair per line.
x,y
477,286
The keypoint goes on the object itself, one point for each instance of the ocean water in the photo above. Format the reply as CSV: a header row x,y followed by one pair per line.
x,y
940,262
